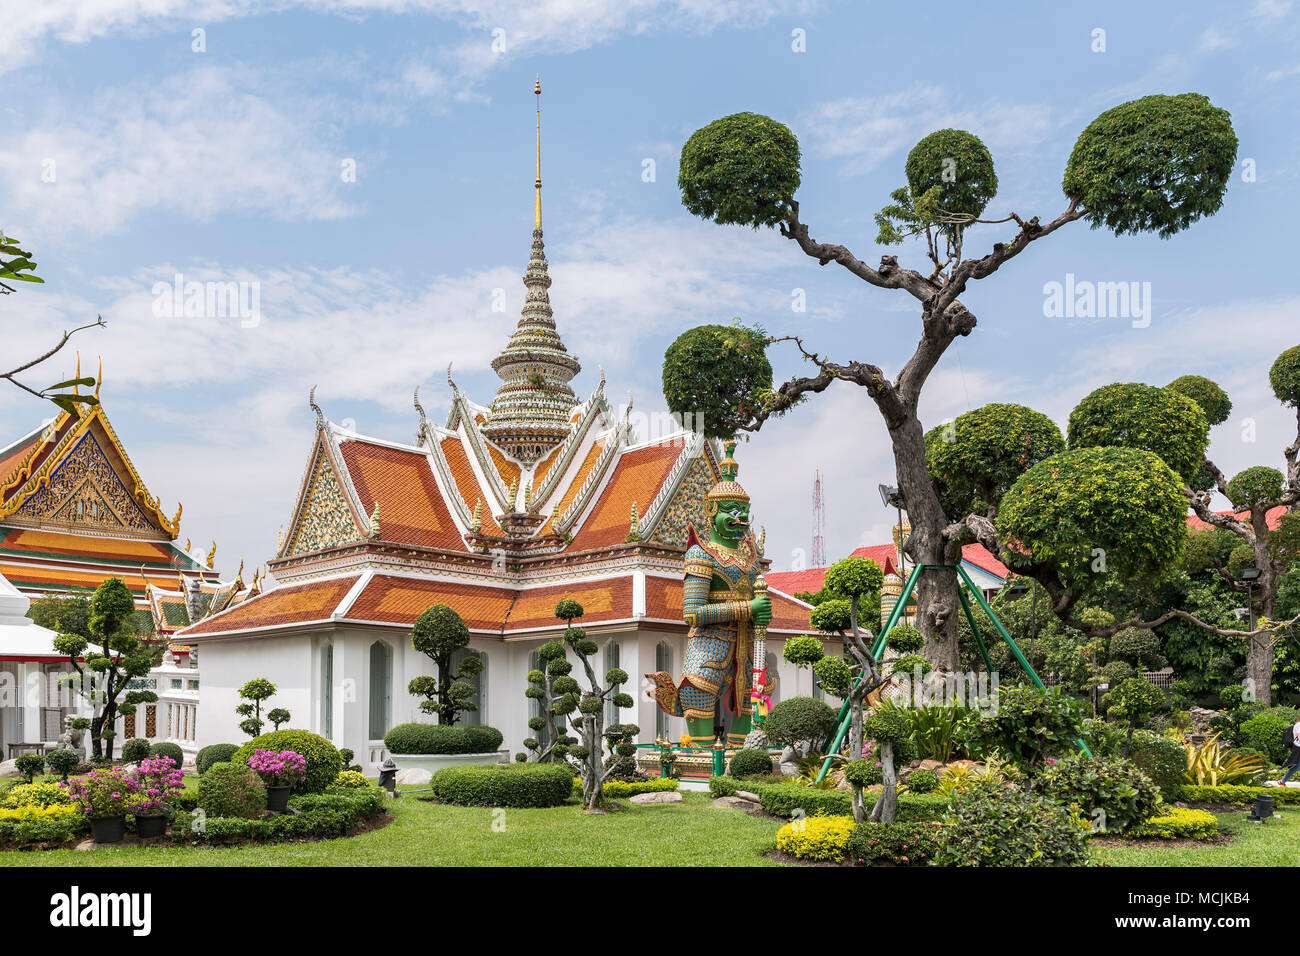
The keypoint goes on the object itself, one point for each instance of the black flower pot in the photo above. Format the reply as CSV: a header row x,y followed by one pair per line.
x,y
151,826
277,798
108,829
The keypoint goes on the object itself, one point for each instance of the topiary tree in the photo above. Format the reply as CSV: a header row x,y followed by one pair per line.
x,y
547,684
323,759
278,716
253,694
62,762
106,654
1136,700
1166,423
29,765
750,762
801,723
439,633
1153,165
213,754
135,750
708,359
888,727
590,703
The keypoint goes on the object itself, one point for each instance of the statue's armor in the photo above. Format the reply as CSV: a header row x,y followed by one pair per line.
x,y
718,587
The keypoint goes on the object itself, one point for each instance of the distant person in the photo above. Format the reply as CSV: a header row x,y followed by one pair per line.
x,y
1291,739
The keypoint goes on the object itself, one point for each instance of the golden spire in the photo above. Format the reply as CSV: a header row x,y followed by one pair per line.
x,y
537,185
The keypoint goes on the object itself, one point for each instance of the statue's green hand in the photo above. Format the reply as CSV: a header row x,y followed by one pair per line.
x,y
760,609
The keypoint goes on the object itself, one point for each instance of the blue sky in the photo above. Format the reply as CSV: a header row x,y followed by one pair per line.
x,y
226,165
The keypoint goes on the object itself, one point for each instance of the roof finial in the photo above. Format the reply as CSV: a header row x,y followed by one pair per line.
x,y
537,206
423,426
451,381
99,376
311,400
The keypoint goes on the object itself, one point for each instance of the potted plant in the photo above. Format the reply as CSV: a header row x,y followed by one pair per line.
x,y
280,770
104,796
159,780
432,747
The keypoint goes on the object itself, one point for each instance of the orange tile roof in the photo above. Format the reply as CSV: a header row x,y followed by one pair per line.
x,y
77,546
506,468
466,483
544,466
608,600
411,509
1271,518
401,600
290,604
588,463
23,575
638,476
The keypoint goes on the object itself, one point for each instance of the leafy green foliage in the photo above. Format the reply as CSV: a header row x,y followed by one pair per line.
x,y
254,693
1264,731
1136,700
717,377
956,164
834,616
1090,510
439,632
854,578
232,790
750,762
1256,487
999,826
803,650
18,266
135,750
213,754
1124,795
505,785
1284,376
1139,646
29,765
1131,415
1213,400
1156,164
742,169
416,738
1030,725
901,844
62,761
922,780
975,458
800,720
323,759
904,638
887,724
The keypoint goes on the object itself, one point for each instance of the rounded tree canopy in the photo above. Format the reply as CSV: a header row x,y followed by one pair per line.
x,y
975,458
958,165
1156,164
1213,400
1256,487
717,377
439,631
854,577
1284,376
1158,420
111,608
568,610
742,169
831,617
1087,511
803,650
887,724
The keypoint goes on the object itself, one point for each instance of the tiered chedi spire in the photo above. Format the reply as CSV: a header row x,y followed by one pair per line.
x,y
530,413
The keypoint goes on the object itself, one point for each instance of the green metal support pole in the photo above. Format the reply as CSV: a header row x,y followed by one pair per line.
x,y
1015,650
877,649
970,619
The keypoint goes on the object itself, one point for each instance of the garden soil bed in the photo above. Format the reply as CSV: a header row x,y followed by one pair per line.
x,y
1154,843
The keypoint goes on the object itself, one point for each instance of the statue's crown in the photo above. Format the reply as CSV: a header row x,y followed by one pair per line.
x,y
728,489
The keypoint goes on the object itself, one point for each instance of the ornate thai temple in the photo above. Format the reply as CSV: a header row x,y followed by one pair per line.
x,y
499,511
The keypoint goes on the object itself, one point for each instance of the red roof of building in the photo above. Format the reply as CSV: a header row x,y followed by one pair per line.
x,y
811,580
1273,516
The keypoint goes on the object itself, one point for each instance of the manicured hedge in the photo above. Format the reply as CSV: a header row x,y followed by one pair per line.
x,y
619,789
504,785
904,844
232,790
750,762
825,839
57,823
319,816
323,759
166,748
417,738
782,799
1236,795
1177,823
214,754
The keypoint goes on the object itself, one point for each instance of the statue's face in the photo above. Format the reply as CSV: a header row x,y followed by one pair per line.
x,y
732,520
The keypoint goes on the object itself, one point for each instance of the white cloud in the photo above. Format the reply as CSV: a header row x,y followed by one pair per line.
x,y
200,143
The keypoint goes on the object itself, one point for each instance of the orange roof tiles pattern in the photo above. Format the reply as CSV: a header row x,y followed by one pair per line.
x,y
588,463
467,485
74,546
506,468
608,600
397,600
543,467
637,477
411,509
290,604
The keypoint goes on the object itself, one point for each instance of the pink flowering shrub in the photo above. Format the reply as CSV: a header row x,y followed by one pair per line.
x,y
159,780
103,793
279,768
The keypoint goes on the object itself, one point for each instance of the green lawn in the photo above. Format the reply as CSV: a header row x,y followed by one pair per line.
x,y
1276,843
427,834
685,834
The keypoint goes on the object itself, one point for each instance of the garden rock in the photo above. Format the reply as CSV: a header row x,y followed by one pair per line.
x,y
746,795
662,796
1201,717
414,776
9,768
738,803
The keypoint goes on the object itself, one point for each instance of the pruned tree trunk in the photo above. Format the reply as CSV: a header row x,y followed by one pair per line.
x,y
855,749
886,808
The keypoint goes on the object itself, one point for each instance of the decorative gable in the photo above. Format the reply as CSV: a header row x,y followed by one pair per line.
x,y
687,504
85,489
326,517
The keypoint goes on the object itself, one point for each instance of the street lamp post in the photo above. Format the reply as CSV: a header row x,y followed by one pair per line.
x,y
893,498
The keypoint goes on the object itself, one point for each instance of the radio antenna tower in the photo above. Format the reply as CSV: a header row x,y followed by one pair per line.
x,y
819,522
